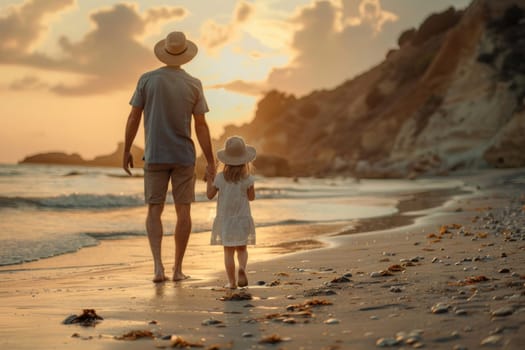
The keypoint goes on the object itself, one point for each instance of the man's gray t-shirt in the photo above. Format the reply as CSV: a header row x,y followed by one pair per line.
x,y
169,97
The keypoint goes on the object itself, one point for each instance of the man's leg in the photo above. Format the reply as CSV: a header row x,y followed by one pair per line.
x,y
154,228
182,235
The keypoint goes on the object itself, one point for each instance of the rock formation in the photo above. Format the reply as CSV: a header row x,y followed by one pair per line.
x,y
450,97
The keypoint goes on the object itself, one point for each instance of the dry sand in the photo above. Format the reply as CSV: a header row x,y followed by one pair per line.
x,y
464,258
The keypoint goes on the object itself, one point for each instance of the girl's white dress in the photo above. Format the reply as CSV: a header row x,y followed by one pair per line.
x,y
233,225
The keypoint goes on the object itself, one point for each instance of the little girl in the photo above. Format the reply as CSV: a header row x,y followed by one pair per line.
x,y
233,226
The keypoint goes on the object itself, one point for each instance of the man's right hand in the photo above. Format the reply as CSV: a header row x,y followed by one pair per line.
x,y
127,162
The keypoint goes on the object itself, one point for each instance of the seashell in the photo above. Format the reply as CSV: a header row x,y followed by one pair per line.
x,y
461,312
332,321
504,311
491,340
439,308
386,342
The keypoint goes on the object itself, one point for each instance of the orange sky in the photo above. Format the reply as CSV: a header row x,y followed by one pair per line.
x,y
69,67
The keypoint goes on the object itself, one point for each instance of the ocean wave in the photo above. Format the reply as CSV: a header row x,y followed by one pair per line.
x,y
74,201
15,251
79,201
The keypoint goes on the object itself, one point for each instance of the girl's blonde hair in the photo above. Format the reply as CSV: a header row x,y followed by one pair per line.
x,y
235,173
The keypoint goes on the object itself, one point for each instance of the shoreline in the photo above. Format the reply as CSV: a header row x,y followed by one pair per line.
x,y
363,309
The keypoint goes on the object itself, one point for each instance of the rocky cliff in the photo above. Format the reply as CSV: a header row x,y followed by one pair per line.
x,y
449,97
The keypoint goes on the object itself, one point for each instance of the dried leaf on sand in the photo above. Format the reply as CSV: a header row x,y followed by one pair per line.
x,y
242,295
308,304
88,318
179,342
272,339
134,335
470,280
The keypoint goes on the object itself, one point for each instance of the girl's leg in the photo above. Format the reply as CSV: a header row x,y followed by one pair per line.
x,y
229,264
242,257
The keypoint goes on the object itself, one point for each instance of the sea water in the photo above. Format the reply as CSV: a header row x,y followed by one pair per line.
x,y
47,210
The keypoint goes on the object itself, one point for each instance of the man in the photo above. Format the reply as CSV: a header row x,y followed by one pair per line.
x,y
169,97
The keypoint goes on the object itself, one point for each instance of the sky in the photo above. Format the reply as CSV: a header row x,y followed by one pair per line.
x,y
68,68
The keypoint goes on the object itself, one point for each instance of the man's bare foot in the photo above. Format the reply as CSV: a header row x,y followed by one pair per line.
x,y
179,277
243,279
159,278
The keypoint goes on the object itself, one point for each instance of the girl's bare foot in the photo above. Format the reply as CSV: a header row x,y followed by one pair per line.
x,y
243,279
179,276
230,286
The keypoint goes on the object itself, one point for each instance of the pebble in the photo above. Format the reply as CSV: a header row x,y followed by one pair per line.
x,y
491,340
459,347
461,312
210,321
247,335
395,290
504,270
289,320
439,308
498,330
504,311
386,342
332,321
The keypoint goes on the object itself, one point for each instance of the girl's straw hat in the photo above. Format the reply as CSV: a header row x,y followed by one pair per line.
x,y
175,49
236,152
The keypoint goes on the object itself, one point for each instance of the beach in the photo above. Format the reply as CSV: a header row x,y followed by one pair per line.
x,y
446,272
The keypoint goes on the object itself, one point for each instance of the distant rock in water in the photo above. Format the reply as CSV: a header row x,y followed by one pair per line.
x,y
111,160
450,97
54,158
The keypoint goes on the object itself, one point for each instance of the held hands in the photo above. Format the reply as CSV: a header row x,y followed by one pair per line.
x,y
127,162
210,172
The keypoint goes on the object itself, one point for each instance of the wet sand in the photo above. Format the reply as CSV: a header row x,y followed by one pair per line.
x,y
452,277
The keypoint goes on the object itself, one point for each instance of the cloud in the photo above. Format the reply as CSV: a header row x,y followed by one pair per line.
x,y
111,55
333,42
243,87
23,25
215,35
243,12
370,12
28,83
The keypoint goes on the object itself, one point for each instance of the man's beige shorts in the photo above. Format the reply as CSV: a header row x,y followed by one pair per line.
x,y
157,178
